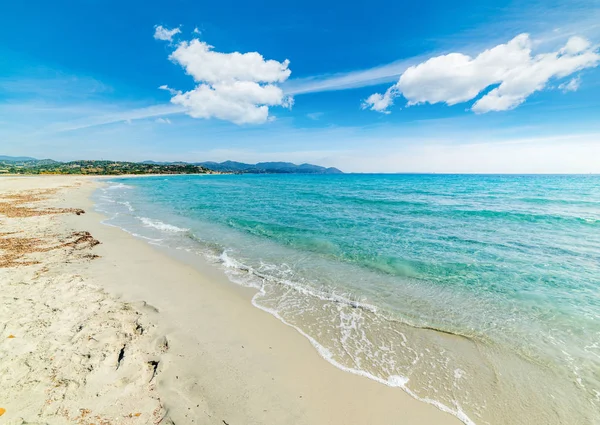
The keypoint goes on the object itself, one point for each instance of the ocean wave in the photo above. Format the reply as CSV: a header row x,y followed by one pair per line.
x,y
127,204
568,202
119,186
516,216
331,296
153,241
396,381
157,224
238,268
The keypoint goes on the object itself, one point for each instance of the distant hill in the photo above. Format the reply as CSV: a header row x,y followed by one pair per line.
x,y
163,163
16,158
268,167
97,168
29,165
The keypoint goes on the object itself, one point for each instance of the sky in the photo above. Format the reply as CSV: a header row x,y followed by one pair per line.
x,y
380,86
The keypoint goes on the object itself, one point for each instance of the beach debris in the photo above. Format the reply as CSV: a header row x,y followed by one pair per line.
x,y
11,336
121,356
2,411
154,365
84,412
14,248
14,205
163,344
80,239
134,415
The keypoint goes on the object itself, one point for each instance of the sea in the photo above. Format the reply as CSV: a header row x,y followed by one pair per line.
x,y
479,294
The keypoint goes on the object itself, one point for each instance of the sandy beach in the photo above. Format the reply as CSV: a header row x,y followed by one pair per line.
x,y
98,327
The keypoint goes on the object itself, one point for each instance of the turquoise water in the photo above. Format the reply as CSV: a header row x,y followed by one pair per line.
x,y
479,294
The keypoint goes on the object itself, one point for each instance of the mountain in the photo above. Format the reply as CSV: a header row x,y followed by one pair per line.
x,y
268,167
16,158
227,166
149,162
98,168
24,161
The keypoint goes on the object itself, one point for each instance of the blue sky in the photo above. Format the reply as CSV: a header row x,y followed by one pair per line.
x,y
380,86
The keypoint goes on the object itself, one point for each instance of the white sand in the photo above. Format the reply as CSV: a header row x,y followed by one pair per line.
x,y
218,359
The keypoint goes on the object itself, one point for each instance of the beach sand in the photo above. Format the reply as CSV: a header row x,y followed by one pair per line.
x,y
118,332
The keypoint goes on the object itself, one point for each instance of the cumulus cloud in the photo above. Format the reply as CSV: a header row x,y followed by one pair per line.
x,y
381,102
236,87
511,67
162,33
571,85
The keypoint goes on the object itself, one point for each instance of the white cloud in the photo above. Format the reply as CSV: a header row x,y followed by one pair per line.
x,y
571,85
456,78
163,120
381,102
342,81
169,89
559,23
236,87
162,33
206,65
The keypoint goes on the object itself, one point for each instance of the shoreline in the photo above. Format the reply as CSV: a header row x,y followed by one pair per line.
x,y
227,361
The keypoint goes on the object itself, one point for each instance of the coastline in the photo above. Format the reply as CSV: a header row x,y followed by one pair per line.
x,y
219,358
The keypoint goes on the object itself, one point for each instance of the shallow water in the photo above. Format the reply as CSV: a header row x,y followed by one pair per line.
x,y
479,294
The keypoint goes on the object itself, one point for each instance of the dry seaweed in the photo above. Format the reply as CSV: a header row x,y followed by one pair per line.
x,y
82,240
13,249
13,205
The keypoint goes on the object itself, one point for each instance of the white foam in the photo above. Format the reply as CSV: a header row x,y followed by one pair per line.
x,y
392,381
458,373
234,267
229,262
128,205
157,224
119,186
137,235
397,381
